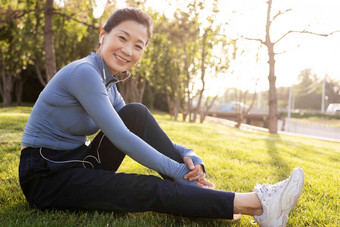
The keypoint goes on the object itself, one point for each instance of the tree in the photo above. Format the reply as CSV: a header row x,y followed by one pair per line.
x,y
6,44
181,53
243,111
75,32
50,64
308,92
13,57
165,54
332,90
272,96
184,34
194,42
74,35
22,39
133,89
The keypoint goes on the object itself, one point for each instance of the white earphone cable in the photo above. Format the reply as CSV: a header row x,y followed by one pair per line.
x,y
80,161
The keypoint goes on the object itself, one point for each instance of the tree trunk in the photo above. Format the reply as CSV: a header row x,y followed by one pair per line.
x,y
38,71
198,106
241,111
19,84
6,88
141,89
50,63
37,57
239,119
177,107
187,110
171,104
132,89
272,98
188,60
206,108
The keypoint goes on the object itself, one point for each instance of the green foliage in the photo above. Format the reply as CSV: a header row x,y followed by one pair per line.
x,y
22,32
75,32
308,92
179,51
332,90
12,27
235,160
171,64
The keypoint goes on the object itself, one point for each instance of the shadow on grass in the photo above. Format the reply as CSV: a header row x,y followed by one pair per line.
x,y
331,155
319,155
281,167
23,215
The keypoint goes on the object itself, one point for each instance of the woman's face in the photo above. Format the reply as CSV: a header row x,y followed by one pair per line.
x,y
123,46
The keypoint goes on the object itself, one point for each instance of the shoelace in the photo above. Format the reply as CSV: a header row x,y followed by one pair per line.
x,y
269,189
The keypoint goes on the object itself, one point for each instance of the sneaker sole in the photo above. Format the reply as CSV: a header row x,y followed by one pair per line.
x,y
296,176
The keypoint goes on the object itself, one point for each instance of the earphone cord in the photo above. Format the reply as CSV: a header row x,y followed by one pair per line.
x,y
81,161
104,74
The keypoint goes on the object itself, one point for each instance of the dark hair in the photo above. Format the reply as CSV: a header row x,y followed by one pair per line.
x,y
134,14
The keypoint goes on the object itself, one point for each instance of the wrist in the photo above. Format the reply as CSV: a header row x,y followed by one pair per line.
x,y
203,168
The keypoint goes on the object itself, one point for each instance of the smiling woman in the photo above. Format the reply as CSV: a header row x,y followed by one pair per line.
x,y
60,169
123,46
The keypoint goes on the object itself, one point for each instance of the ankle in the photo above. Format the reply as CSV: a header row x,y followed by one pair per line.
x,y
247,203
258,212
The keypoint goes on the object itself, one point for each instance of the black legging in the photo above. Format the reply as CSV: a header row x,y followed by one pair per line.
x,y
49,184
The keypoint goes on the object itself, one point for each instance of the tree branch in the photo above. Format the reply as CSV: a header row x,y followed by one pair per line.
x,y
280,13
9,13
281,52
15,14
82,22
287,50
306,32
254,39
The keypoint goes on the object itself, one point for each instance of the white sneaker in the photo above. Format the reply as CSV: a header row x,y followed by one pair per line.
x,y
279,199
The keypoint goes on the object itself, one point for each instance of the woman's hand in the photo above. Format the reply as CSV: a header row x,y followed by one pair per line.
x,y
197,173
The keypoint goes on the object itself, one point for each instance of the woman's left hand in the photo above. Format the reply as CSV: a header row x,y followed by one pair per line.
x,y
196,173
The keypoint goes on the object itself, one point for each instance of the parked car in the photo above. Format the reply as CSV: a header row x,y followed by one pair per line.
x,y
333,108
233,106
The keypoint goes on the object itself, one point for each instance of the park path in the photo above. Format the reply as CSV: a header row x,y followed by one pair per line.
x,y
295,128
311,129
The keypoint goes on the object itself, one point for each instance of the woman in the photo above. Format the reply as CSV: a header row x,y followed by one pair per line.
x,y
59,169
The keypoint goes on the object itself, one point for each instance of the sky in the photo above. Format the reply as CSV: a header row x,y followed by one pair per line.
x,y
301,51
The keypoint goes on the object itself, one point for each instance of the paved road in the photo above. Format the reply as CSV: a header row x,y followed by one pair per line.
x,y
294,128
311,129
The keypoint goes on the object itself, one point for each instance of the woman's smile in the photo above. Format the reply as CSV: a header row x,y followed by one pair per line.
x,y
120,59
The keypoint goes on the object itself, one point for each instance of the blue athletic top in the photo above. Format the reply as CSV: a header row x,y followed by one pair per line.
x,y
78,101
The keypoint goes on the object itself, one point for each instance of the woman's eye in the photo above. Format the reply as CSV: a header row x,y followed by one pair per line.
x,y
122,38
139,47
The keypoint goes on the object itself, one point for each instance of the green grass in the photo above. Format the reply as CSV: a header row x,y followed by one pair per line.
x,y
235,160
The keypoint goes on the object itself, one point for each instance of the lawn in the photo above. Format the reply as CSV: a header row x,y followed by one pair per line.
x,y
235,160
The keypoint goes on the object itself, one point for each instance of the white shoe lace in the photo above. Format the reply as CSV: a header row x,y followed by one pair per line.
x,y
268,189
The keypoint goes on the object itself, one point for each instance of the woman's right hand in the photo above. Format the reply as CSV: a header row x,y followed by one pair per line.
x,y
197,173
204,183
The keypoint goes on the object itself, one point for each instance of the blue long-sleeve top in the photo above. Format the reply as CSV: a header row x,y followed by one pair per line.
x,y
81,99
